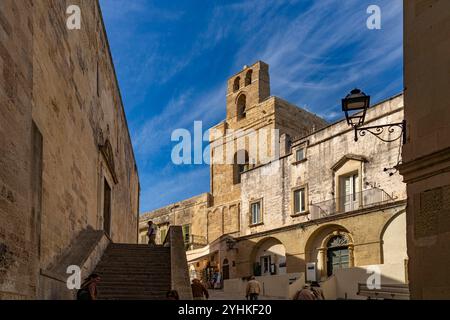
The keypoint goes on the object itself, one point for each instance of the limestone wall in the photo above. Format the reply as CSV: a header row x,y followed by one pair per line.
x,y
62,103
326,151
187,212
426,167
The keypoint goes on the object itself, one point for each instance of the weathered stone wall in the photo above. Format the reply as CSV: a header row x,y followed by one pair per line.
x,y
60,84
18,248
275,182
426,155
302,244
187,212
263,115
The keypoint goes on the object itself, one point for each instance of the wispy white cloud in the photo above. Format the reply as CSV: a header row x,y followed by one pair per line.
x,y
181,112
169,186
315,57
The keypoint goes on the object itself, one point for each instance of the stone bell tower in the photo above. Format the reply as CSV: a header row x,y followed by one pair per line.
x,y
245,90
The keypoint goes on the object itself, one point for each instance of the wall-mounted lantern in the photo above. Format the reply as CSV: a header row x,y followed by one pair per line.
x,y
355,106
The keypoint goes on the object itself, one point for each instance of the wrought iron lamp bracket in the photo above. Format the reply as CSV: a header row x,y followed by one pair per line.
x,y
378,131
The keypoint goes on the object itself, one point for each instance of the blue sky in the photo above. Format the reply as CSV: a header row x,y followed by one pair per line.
x,y
173,58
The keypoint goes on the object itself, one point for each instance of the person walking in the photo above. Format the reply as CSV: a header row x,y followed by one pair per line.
x,y
88,290
305,294
317,290
253,289
199,292
151,233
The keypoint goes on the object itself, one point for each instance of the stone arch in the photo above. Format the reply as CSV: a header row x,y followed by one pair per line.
x,y
241,106
316,247
240,164
236,84
393,239
268,257
248,77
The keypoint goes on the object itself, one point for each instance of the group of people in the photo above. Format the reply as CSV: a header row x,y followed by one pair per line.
x,y
88,290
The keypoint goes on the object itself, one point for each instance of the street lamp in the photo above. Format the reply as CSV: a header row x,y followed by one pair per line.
x,y
355,106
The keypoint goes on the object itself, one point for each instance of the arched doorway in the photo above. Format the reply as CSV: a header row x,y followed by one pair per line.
x,y
225,270
269,258
338,256
330,247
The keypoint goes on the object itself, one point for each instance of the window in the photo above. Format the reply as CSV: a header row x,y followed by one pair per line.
x,y
265,264
255,209
300,154
248,77
241,164
349,195
187,233
107,207
241,106
299,201
236,84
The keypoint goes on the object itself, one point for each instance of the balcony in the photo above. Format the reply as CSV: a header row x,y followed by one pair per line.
x,y
351,202
192,242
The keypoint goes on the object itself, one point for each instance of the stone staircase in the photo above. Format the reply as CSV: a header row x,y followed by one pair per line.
x,y
134,272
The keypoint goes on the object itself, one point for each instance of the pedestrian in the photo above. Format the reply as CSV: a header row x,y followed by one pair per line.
x,y
88,290
317,290
172,295
253,289
199,292
305,294
151,233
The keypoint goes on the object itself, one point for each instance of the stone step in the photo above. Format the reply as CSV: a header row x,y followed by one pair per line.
x,y
136,247
136,253
133,283
142,289
148,249
144,279
131,265
133,291
154,259
161,296
131,272
134,272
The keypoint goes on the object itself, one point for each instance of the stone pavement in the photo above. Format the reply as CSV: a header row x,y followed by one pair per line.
x,y
221,295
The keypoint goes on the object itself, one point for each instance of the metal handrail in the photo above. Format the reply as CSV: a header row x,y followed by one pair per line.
x,y
356,201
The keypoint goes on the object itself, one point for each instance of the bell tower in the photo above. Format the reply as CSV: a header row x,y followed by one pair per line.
x,y
246,89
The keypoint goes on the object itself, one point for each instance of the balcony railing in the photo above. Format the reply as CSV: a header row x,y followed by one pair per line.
x,y
192,242
351,202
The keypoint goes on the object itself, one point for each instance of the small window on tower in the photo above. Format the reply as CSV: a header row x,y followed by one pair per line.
x,y
236,84
241,107
248,77
241,164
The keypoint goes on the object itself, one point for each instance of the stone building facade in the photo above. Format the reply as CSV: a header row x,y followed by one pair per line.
x,y
322,201
426,155
66,160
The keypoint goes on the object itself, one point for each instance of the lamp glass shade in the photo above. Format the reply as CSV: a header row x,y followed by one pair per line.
x,y
355,105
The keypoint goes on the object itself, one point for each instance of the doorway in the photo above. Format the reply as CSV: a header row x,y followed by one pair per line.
x,y
225,270
107,208
337,254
